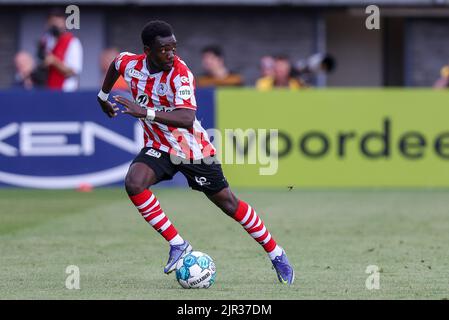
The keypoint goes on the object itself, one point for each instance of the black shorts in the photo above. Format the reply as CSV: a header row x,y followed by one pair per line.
x,y
203,175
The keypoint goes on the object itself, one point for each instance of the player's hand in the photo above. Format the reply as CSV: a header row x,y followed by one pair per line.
x,y
131,107
109,108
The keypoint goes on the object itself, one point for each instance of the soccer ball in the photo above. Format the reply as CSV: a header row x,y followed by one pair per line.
x,y
195,270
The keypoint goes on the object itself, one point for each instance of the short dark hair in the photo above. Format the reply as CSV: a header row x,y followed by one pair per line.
x,y
214,49
153,29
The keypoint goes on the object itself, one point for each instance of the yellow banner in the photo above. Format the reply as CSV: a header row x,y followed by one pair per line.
x,y
335,138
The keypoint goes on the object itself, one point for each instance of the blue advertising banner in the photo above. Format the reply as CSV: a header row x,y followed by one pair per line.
x,y
58,140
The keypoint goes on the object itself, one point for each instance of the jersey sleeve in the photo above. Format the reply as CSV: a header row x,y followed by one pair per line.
x,y
183,86
122,60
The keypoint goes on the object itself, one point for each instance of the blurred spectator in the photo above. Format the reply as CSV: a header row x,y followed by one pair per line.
x,y
61,54
216,73
24,64
443,81
281,77
310,68
267,66
107,56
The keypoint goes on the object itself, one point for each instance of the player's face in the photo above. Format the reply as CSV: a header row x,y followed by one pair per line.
x,y
162,52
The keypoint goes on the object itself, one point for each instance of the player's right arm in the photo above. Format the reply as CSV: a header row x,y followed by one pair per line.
x,y
111,77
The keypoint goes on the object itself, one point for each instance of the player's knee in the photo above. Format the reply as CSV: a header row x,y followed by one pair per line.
x,y
134,186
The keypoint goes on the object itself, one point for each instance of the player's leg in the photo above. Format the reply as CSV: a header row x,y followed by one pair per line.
x,y
145,171
255,226
208,178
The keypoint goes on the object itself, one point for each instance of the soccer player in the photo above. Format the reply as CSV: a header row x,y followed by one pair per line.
x,y
163,89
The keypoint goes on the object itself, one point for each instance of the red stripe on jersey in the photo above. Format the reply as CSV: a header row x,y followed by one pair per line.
x,y
206,148
156,144
135,81
149,90
172,87
161,135
182,141
197,136
125,60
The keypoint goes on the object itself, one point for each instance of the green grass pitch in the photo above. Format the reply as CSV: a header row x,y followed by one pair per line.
x,y
330,237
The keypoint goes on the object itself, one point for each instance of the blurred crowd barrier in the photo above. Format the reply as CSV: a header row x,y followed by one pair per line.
x,y
280,138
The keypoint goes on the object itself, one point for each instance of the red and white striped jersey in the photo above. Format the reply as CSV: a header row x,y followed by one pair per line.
x,y
165,91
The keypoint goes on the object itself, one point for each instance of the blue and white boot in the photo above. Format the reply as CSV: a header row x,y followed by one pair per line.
x,y
284,270
176,253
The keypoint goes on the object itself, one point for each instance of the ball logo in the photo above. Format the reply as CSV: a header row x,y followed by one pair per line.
x,y
162,89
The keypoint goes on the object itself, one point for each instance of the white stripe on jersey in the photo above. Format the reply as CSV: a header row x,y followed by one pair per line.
x,y
192,98
126,76
170,92
170,137
178,83
157,80
118,61
191,141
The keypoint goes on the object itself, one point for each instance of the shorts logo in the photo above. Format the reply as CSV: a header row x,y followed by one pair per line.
x,y
184,92
162,89
133,73
153,153
202,181
142,99
184,80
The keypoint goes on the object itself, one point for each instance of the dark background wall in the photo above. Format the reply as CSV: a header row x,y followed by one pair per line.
x,y
9,25
245,34
427,50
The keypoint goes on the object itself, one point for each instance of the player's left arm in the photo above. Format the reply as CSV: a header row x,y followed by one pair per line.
x,y
181,118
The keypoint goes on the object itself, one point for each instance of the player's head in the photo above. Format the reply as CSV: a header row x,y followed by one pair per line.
x,y
159,44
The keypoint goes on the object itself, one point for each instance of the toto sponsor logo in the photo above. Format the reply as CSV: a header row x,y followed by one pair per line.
x,y
64,154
